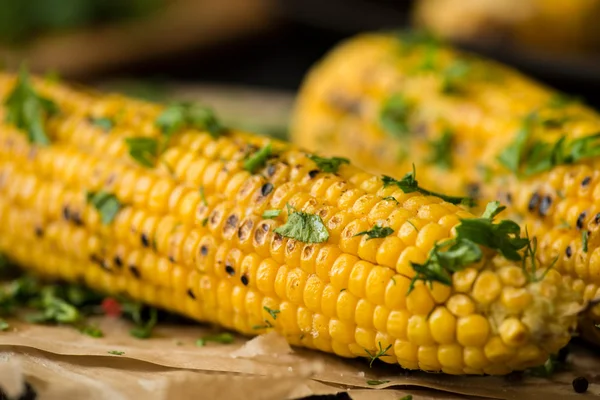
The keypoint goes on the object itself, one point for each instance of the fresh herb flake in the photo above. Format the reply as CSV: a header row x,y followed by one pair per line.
x,y
223,338
116,352
257,160
409,184
188,115
92,331
381,353
106,124
584,240
4,325
454,77
304,227
441,150
270,214
407,397
27,110
394,116
391,198
272,313
328,164
144,150
377,232
107,205
511,156
374,382
203,196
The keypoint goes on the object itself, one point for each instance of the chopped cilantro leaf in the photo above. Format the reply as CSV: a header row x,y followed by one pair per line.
x,y
183,115
304,227
329,164
270,214
223,338
530,257
374,382
27,110
454,77
203,196
394,115
409,184
116,352
441,150
107,205
377,232
105,124
584,239
144,150
92,331
511,156
137,312
257,160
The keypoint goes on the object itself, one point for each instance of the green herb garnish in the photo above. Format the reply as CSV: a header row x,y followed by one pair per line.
x,y
304,227
511,156
144,318
531,256
441,150
144,150
329,164
381,353
107,205
584,240
105,124
454,77
27,110
377,232
272,313
258,160
545,156
116,352
409,184
92,331
270,214
391,198
407,397
266,325
4,325
188,115
223,338
394,115
374,382
203,196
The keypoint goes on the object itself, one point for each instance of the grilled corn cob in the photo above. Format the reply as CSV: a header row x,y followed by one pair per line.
x,y
473,127
229,228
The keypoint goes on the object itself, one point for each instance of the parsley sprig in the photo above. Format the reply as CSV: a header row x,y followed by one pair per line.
x,y
304,227
381,353
107,205
457,253
394,116
409,184
27,110
179,116
258,159
223,338
376,232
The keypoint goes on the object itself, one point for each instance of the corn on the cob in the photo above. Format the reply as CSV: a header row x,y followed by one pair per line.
x,y
473,127
201,227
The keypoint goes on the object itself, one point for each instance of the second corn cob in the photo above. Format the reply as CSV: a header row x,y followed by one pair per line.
x,y
473,127
163,205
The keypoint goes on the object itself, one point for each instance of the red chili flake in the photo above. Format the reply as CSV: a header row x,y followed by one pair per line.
x,y
111,307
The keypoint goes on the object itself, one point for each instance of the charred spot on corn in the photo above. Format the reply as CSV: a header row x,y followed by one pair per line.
x,y
258,159
39,232
106,124
266,189
545,205
244,279
106,204
304,227
391,198
144,240
324,164
229,269
534,201
27,110
204,250
568,251
581,220
190,293
313,173
118,261
376,232
143,150
409,184
586,181
135,271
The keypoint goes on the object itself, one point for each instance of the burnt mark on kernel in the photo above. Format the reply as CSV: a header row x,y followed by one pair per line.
x,y
118,261
144,239
244,280
172,259
204,250
545,205
39,232
229,269
231,222
76,218
66,213
135,271
313,173
261,233
473,190
191,294
580,220
271,169
568,251
597,219
266,189
245,229
534,201
586,181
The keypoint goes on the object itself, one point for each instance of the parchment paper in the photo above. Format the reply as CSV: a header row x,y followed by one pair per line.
x,y
61,363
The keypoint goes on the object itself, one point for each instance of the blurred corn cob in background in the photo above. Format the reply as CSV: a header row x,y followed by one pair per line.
x,y
473,127
168,207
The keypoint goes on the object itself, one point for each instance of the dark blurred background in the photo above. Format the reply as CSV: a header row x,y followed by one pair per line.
x,y
272,43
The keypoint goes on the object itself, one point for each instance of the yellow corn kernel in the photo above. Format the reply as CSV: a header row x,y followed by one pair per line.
x,y
419,301
472,330
497,351
461,305
442,325
487,288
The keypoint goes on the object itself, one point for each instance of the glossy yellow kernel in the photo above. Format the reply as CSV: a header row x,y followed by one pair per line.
x,y
328,254
341,269
342,332
380,317
365,338
312,293
429,235
513,332
442,325
304,318
528,356
497,351
409,256
358,278
397,324
364,313
397,219
460,305
487,288
463,280
280,284
296,280
450,356
349,242
329,300
418,331
346,306
389,251
515,300
428,358
474,357
419,301
512,276
378,279
308,258
440,292
395,292
472,330
407,353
